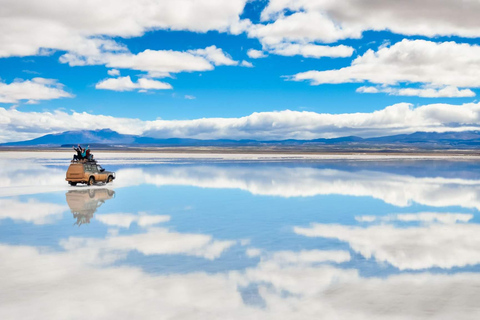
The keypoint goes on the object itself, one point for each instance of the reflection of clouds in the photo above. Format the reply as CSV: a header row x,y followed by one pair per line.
x,y
29,177
296,272
65,286
124,220
310,256
396,189
415,247
276,180
59,286
32,211
155,241
426,217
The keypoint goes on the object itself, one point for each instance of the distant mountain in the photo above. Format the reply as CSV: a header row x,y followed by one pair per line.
x,y
109,138
102,137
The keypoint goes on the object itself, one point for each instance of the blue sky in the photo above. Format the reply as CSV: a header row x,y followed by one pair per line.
x,y
125,65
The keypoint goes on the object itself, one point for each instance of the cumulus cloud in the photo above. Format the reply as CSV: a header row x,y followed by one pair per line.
x,y
126,84
246,64
158,63
395,119
32,91
443,66
83,27
301,27
214,55
311,50
445,92
329,21
113,72
296,34
256,54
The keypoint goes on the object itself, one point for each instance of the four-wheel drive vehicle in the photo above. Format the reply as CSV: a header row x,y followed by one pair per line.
x,y
89,173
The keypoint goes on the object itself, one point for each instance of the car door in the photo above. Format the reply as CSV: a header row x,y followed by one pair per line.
x,y
101,176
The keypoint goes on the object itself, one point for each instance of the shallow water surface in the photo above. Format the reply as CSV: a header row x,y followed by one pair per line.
x,y
216,239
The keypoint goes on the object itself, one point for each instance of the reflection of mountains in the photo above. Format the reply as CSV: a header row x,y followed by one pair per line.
x,y
394,186
84,203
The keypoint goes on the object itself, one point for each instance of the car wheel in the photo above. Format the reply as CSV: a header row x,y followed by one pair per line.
x,y
73,184
110,179
91,181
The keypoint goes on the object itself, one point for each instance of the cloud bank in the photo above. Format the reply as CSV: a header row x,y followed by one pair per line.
x,y
445,66
84,27
399,118
329,21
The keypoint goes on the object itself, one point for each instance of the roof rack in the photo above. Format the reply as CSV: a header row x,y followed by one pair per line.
x,y
93,161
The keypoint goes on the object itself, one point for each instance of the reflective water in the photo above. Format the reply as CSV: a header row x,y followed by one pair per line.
x,y
213,239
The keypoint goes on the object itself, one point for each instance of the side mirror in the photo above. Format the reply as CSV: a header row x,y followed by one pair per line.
x,y
101,170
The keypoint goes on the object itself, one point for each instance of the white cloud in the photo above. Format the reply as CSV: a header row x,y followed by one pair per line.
x,y
365,89
256,54
329,21
246,64
311,50
214,55
190,97
158,63
126,84
395,119
445,92
302,27
83,27
296,34
32,90
437,65
113,72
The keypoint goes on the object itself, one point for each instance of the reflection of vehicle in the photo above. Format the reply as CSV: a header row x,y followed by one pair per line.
x,y
84,203
88,172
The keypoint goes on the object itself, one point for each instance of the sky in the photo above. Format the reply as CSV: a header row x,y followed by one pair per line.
x,y
239,69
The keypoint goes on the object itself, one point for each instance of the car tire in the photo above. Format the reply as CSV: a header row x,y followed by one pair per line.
x,y
73,184
110,179
91,181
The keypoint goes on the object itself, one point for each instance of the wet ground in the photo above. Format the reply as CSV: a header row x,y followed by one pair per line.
x,y
203,238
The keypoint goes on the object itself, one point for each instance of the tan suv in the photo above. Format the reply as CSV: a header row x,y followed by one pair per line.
x,y
89,173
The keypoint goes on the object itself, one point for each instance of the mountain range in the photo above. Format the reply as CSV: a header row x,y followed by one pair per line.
x,y
109,138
